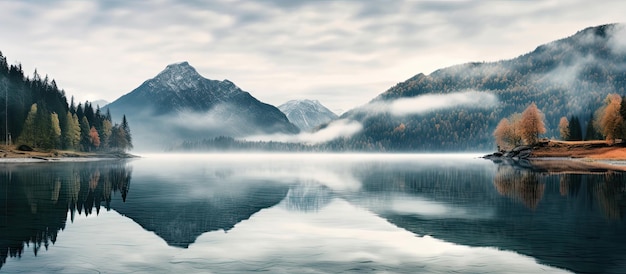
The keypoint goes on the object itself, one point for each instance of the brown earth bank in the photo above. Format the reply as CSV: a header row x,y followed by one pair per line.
x,y
599,150
12,152
553,156
574,166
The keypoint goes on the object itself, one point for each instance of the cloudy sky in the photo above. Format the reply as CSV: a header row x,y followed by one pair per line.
x,y
342,53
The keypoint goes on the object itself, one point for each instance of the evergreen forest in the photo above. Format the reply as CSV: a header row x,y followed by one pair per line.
x,y
35,114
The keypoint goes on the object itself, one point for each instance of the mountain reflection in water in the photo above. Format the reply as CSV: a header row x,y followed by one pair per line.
x,y
324,213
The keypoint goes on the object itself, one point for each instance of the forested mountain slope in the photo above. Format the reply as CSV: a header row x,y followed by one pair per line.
x,y
571,76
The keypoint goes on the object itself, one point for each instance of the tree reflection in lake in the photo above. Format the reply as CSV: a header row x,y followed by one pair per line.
x,y
604,189
520,185
569,220
34,205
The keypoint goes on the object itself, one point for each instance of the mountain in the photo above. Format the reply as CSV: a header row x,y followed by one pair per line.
x,y
99,103
571,76
181,104
307,114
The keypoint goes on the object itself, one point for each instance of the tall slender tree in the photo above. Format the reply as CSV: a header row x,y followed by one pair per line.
x,y
564,128
85,140
94,138
591,133
55,130
532,124
608,118
127,134
71,137
27,136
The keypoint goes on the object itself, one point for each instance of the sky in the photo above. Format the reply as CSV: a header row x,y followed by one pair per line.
x,y
342,53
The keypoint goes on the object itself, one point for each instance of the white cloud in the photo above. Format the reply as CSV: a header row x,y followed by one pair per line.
x,y
278,50
342,128
618,39
432,102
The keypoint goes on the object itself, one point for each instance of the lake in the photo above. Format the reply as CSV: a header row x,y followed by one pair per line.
x,y
308,213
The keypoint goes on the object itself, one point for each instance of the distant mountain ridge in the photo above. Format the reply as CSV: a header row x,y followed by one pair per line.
x,y
570,76
180,104
307,114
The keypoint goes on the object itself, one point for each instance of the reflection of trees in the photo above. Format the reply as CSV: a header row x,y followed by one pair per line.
x,y
569,184
611,195
35,199
607,190
519,184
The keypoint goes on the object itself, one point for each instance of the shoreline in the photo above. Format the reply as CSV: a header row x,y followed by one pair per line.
x,y
16,156
566,157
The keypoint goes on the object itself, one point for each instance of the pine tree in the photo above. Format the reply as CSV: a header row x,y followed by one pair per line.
x,y
72,106
105,133
85,140
71,138
27,136
127,135
590,132
80,113
118,139
43,128
89,113
575,130
55,130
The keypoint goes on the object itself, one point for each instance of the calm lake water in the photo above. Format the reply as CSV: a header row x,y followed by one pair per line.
x,y
308,213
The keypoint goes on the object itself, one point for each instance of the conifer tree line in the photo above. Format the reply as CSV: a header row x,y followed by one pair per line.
x,y
37,114
607,123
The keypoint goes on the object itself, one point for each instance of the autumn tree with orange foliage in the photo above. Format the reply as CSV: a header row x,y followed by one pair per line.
x,y
609,121
94,138
532,124
564,128
520,128
504,134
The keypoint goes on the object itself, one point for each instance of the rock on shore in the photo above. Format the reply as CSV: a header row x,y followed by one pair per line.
x,y
517,153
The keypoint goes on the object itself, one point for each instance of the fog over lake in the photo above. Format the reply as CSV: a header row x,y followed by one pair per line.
x,y
308,213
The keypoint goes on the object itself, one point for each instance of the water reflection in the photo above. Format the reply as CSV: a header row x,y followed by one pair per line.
x,y
308,197
520,185
328,213
605,189
34,205
167,208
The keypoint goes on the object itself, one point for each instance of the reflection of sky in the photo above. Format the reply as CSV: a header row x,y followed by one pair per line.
x,y
336,171
338,237
402,204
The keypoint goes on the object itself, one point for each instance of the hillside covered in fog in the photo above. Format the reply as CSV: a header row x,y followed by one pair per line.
x,y
457,108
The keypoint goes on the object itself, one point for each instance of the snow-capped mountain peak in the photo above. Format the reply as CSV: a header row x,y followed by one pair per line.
x,y
179,76
307,114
